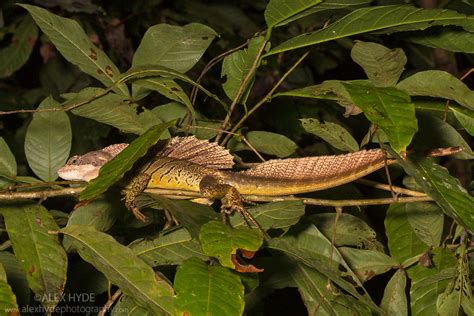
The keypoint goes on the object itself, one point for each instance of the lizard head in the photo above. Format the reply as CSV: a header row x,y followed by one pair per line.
x,y
87,166
84,168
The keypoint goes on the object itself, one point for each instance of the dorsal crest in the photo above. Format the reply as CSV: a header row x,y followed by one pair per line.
x,y
202,152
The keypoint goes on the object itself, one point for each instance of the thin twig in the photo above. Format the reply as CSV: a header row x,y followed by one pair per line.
x,y
309,201
265,98
43,194
209,66
333,240
387,187
109,303
242,87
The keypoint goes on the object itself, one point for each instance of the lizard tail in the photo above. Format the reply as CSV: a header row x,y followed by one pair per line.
x,y
321,167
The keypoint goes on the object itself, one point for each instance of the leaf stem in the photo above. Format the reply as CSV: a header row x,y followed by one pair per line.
x,y
243,86
265,98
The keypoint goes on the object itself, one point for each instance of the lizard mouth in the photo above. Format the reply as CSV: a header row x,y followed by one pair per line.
x,y
79,173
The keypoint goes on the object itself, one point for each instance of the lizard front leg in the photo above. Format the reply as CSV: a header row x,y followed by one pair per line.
x,y
137,185
230,198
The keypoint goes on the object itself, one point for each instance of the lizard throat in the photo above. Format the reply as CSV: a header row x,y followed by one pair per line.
x,y
79,173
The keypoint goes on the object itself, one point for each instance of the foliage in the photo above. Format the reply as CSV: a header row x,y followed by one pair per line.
x,y
266,80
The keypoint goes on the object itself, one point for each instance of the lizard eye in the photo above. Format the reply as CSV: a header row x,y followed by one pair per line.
x,y
73,160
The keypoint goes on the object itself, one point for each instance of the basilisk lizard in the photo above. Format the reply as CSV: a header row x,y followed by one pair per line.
x,y
187,164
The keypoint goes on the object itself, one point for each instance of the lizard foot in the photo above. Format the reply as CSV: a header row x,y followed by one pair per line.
x,y
137,185
233,202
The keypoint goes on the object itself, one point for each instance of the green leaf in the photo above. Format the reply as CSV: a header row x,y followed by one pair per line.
x,y
435,133
350,230
120,265
274,215
190,215
466,118
383,66
390,109
18,51
114,170
332,90
429,283
207,290
74,44
367,263
427,221
141,72
278,11
307,245
329,5
271,143
7,297
166,87
40,254
453,39
16,277
366,20
336,135
236,67
127,306
48,141
100,214
314,291
222,242
111,109
446,190
7,160
394,301
170,248
402,240
439,84
176,47
449,302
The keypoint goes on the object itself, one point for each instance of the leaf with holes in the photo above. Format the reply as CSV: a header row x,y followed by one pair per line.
x,y
350,230
367,263
334,134
446,190
40,254
439,84
427,221
383,66
74,44
390,109
222,242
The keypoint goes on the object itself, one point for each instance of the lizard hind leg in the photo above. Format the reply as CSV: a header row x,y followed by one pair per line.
x,y
137,185
231,201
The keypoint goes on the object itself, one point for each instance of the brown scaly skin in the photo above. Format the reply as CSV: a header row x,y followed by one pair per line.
x,y
136,186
